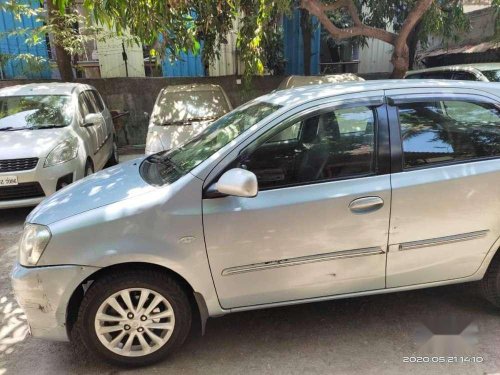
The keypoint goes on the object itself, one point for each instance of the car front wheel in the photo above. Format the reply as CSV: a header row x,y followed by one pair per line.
x,y
133,318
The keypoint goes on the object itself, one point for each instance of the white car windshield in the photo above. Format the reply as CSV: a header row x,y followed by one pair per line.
x,y
35,112
178,108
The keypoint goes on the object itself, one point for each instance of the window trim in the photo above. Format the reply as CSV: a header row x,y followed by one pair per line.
x,y
98,99
381,137
397,152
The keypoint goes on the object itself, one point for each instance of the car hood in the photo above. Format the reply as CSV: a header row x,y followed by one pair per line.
x,y
100,189
172,136
30,143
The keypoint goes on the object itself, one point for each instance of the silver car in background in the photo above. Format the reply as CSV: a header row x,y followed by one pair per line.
x,y
302,195
180,112
485,72
51,135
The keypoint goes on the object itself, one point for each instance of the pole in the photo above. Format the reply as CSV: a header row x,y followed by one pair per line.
x,y
125,58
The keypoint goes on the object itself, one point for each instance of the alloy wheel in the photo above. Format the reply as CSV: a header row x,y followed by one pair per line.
x,y
134,322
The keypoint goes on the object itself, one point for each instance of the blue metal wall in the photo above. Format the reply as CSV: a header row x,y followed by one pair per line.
x,y
294,48
14,45
188,65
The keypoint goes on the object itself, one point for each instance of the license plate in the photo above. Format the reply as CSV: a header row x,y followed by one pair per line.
x,y
8,180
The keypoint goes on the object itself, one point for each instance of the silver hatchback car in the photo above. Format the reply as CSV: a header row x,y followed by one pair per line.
x,y
302,195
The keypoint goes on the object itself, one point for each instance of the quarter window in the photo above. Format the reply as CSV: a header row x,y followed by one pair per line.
x,y
98,100
448,131
331,145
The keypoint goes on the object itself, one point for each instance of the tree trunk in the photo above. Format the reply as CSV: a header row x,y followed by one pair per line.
x,y
400,57
63,58
306,28
412,44
400,60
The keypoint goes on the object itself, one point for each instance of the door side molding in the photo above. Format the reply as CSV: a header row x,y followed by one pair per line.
x,y
443,240
303,260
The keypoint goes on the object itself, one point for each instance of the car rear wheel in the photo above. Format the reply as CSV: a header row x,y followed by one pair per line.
x,y
490,284
134,318
115,158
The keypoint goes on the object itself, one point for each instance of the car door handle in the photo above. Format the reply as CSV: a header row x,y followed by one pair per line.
x,y
366,204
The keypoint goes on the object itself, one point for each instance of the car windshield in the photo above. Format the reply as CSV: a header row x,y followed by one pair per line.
x,y
35,111
181,107
492,75
166,167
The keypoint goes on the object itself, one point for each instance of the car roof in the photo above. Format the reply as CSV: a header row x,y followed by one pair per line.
x,y
295,96
468,67
296,81
192,87
43,88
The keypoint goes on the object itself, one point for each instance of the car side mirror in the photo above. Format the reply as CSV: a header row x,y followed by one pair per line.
x,y
236,182
91,119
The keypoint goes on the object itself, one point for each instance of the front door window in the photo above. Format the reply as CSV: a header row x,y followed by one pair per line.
x,y
327,146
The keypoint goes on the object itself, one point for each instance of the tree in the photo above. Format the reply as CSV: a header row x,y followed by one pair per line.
x,y
69,31
411,20
60,28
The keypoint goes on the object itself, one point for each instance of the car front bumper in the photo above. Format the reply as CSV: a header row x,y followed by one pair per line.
x,y
44,293
47,178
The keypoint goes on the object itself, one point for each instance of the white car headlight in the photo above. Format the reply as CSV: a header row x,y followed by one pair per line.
x,y
153,144
33,242
63,152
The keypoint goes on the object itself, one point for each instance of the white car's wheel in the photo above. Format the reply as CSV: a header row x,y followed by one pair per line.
x,y
134,318
89,168
115,157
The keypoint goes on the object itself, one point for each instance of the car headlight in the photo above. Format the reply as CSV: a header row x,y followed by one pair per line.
x,y
33,242
63,152
153,144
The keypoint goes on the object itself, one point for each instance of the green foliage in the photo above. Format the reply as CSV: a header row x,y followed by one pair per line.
x,y
67,27
185,24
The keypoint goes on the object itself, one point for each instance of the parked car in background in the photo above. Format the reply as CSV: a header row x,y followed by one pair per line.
x,y
297,81
180,112
486,72
51,134
302,195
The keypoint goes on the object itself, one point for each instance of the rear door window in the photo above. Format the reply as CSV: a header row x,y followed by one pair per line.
x,y
437,132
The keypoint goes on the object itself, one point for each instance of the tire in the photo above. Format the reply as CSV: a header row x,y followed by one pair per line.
x,y
134,284
490,284
89,168
114,158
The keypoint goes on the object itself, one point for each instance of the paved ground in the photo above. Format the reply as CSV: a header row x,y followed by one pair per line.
x,y
366,335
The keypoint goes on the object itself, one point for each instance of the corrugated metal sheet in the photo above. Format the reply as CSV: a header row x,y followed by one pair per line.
x,y
111,62
294,48
226,64
188,65
15,45
375,57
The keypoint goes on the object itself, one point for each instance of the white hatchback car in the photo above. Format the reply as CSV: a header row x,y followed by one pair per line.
x,y
51,134
181,112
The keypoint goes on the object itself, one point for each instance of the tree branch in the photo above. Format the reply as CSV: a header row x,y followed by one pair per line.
x,y
348,5
318,9
413,18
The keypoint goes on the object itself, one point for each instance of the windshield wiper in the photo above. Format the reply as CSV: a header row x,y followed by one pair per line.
x,y
187,122
11,129
49,127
